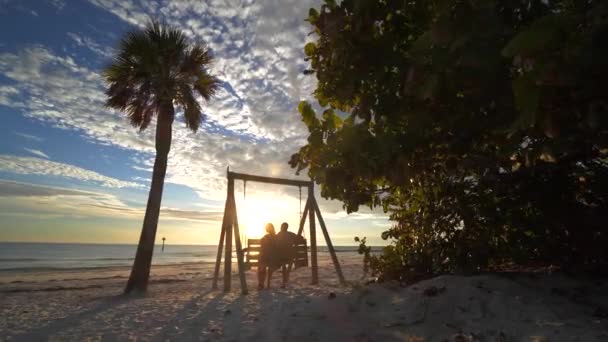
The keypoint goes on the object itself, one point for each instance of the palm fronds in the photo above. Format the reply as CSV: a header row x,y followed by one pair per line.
x,y
156,66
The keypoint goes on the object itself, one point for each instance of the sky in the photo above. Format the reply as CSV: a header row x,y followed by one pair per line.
x,y
72,170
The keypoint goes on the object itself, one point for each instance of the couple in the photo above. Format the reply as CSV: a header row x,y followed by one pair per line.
x,y
277,250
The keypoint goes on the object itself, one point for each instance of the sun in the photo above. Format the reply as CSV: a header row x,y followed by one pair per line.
x,y
256,211
255,216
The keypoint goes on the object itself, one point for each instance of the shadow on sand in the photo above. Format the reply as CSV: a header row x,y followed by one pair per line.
x,y
73,320
200,316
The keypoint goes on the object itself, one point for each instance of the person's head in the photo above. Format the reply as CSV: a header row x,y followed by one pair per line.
x,y
270,229
284,226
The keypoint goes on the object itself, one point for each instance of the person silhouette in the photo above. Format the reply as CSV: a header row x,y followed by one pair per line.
x,y
268,257
286,242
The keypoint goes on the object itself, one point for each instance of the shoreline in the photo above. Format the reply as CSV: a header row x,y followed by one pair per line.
x,y
91,268
29,259
32,279
95,274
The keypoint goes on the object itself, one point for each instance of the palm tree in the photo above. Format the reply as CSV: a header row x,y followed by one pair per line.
x,y
154,70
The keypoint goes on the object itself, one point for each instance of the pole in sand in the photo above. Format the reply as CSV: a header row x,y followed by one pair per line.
x,y
163,248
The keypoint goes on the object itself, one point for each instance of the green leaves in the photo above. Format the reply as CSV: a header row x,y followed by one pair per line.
x,y
527,99
156,66
421,46
471,123
331,3
430,87
309,49
323,102
313,16
537,37
331,121
308,115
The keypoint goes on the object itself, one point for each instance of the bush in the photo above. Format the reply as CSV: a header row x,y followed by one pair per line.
x,y
481,127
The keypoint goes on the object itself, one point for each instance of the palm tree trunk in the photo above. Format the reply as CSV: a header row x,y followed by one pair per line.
x,y
140,273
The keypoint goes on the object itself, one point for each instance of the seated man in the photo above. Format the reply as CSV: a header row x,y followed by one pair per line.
x,y
286,246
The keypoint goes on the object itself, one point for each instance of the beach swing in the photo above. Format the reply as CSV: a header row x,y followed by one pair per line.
x,y
252,254
249,258
254,246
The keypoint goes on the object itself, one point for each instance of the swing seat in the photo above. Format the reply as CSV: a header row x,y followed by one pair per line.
x,y
252,253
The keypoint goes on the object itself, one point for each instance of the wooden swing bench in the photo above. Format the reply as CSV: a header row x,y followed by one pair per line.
x,y
249,257
252,254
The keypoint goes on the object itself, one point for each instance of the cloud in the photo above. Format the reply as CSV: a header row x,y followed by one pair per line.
x,y
125,10
55,90
15,5
258,46
23,199
17,189
58,91
213,216
252,126
29,137
8,95
86,42
37,152
37,166
354,216
57,4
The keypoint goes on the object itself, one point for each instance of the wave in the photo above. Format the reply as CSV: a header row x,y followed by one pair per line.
x,y
98,267
58,268
104,259
85,287
98,259
52,289
61,259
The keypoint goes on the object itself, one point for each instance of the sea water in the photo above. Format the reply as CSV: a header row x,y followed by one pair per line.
x,y
49,256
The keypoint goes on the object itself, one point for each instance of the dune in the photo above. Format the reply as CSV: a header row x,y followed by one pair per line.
x,y
180,306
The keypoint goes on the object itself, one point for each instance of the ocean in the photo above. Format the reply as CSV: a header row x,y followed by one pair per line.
x,y
49,256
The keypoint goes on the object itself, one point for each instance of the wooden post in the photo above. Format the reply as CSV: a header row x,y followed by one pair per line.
x,y
239,249
220,246
313,237
303,219
228,251
330,246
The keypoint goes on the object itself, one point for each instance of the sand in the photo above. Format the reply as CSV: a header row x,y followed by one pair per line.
x,y
180,306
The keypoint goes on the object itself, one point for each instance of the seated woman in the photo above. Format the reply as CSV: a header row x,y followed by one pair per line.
x,y
268,257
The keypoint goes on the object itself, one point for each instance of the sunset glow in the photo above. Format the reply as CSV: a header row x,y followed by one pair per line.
x,y
256,211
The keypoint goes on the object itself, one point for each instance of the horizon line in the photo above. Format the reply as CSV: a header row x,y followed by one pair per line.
x,y
135,244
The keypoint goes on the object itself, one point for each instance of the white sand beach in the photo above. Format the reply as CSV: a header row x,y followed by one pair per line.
x,y
180,306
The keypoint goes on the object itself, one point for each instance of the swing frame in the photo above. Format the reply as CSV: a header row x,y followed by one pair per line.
x,y
230,224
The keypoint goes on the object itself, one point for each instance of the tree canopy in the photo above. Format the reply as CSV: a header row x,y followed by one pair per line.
x,y
480,126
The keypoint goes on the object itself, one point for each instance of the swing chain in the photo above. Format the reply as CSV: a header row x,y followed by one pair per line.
x,y
244,233
300,189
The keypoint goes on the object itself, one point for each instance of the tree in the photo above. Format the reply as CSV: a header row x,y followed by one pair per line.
x,y
480,126
155,69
